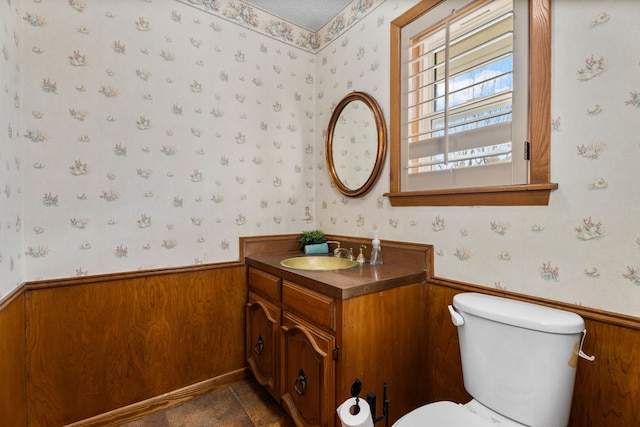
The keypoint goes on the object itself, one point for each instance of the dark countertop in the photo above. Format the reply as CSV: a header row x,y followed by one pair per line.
x,y
341,284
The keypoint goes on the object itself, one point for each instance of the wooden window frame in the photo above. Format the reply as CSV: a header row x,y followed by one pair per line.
x,y
538,190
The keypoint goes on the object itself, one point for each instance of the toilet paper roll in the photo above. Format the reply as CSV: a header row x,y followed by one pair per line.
x,y
350,416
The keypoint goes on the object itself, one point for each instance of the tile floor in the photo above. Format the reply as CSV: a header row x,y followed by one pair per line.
x,y
244,404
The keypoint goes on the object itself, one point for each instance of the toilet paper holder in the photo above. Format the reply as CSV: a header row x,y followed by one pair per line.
x,y
356,388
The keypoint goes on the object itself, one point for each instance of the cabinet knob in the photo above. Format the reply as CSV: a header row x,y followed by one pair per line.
x,y
301,382
259,347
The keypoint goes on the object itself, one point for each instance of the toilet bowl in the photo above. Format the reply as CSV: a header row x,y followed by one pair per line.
x,y
451,414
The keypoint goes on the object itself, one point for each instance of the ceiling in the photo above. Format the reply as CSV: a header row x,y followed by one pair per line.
x,y
309,14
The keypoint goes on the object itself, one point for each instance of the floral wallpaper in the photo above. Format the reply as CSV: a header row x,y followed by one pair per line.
x,y
584,248
155,134
11,219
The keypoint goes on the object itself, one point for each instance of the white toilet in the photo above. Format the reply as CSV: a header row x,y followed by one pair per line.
x,y
518,362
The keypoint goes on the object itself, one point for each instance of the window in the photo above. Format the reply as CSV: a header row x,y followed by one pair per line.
x,y
470,115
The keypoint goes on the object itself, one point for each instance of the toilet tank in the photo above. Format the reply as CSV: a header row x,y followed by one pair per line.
x,y
519,359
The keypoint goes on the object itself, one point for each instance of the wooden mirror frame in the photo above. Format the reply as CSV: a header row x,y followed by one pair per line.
x,y
381,150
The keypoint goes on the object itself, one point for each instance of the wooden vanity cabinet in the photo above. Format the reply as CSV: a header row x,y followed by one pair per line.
x,y
313,346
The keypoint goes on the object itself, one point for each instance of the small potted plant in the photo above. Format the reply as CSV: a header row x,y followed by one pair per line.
x,y
311,238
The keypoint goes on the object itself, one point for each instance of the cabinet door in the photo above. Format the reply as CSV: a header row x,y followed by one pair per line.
x,y
308,387
262,349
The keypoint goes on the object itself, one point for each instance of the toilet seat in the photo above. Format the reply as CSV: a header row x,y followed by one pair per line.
x,y
442,414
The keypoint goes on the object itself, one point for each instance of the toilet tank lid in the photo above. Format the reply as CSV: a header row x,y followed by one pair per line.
x,y
519,313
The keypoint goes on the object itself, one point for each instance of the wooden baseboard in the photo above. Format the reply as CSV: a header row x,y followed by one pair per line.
x,y
167,400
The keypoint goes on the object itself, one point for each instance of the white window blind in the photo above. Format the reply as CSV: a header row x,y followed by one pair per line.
x,y
465,89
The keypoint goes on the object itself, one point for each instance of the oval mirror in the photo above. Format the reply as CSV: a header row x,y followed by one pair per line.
x,y
356,144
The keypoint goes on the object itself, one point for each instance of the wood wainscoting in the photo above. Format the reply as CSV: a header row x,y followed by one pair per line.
x,y
139,341
97,351
606,390
13,380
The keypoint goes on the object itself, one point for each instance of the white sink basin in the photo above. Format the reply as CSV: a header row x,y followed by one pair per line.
x,y
321,263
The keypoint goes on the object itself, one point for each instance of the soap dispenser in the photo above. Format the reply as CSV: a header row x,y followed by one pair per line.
x,y
376,256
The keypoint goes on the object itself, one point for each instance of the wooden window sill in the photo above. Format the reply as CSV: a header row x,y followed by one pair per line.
x,y
510,195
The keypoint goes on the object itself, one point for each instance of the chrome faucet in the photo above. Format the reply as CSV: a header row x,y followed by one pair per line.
x,y
338,251
334,242
348,253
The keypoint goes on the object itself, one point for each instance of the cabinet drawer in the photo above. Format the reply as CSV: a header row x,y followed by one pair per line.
x,y
317,308
264,284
